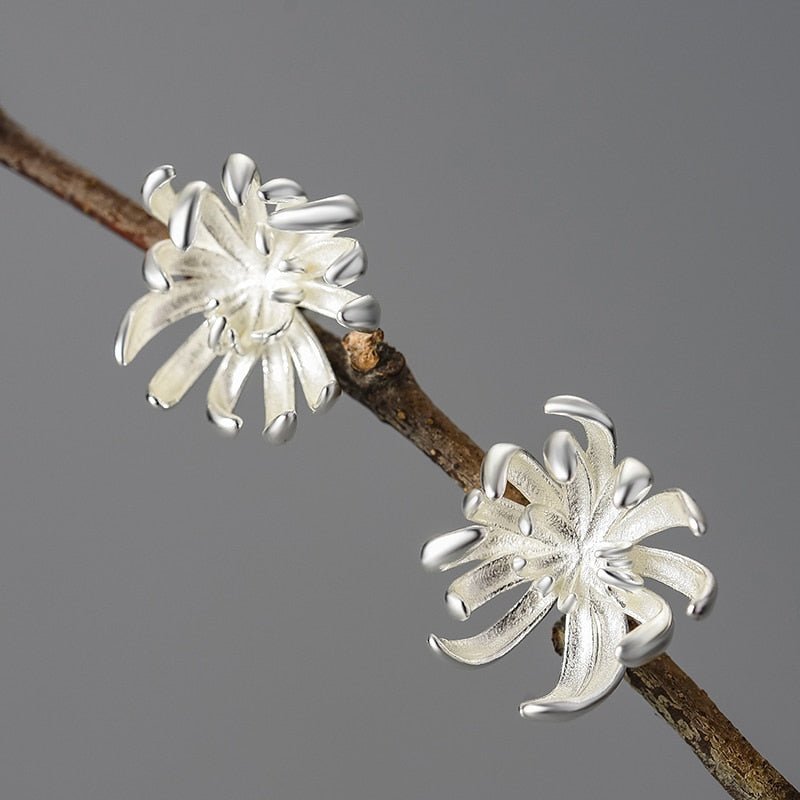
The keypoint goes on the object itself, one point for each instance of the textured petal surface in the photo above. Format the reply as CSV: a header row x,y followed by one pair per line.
x,y
590,670
684,575
179,372
501,637
502,512
327,300
670,509
481,584
317,256
601,444
313,368
278,374
225,389
150,314
651,637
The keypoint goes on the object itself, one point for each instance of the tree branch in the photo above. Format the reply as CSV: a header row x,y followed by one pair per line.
x,y
376,375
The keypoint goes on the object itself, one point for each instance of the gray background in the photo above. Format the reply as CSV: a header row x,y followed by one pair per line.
x,y
587,198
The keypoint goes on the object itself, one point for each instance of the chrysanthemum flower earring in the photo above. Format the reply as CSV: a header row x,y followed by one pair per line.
x,y
250,278
577,545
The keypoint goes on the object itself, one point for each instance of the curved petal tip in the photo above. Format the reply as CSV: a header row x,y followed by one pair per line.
x,y
570,405
226,424
281,429
238,175
494,469
361,314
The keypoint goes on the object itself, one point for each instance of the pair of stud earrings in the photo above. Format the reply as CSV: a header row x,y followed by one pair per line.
x,y
575,542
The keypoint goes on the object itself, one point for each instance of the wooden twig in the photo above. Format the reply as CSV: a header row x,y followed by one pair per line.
x,y
377,376
741,770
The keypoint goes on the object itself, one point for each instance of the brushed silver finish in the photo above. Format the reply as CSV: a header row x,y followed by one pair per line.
x,y
247,277
577,543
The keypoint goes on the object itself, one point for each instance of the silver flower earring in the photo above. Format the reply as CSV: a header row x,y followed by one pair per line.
x,y
577,545
250,278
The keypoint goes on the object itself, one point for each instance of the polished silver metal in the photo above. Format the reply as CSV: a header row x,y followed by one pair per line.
x,y
152,273
561,456
444,551
185,216
215,331
360,314
348,268
158,195
337,213
577,545
632,484
282,428
281,189
494,469
327,397
251,280
238,176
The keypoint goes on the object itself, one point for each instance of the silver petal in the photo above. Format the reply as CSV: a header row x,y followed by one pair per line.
x,y
500,638
153,312
238,176
360,314
158,195
601,440
279,405
589,671
313,369
478,586
179,372
561,455
152,273
225,389
632,483
654,632
280,189
447,549
684,575
670,509
348,268
335,213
